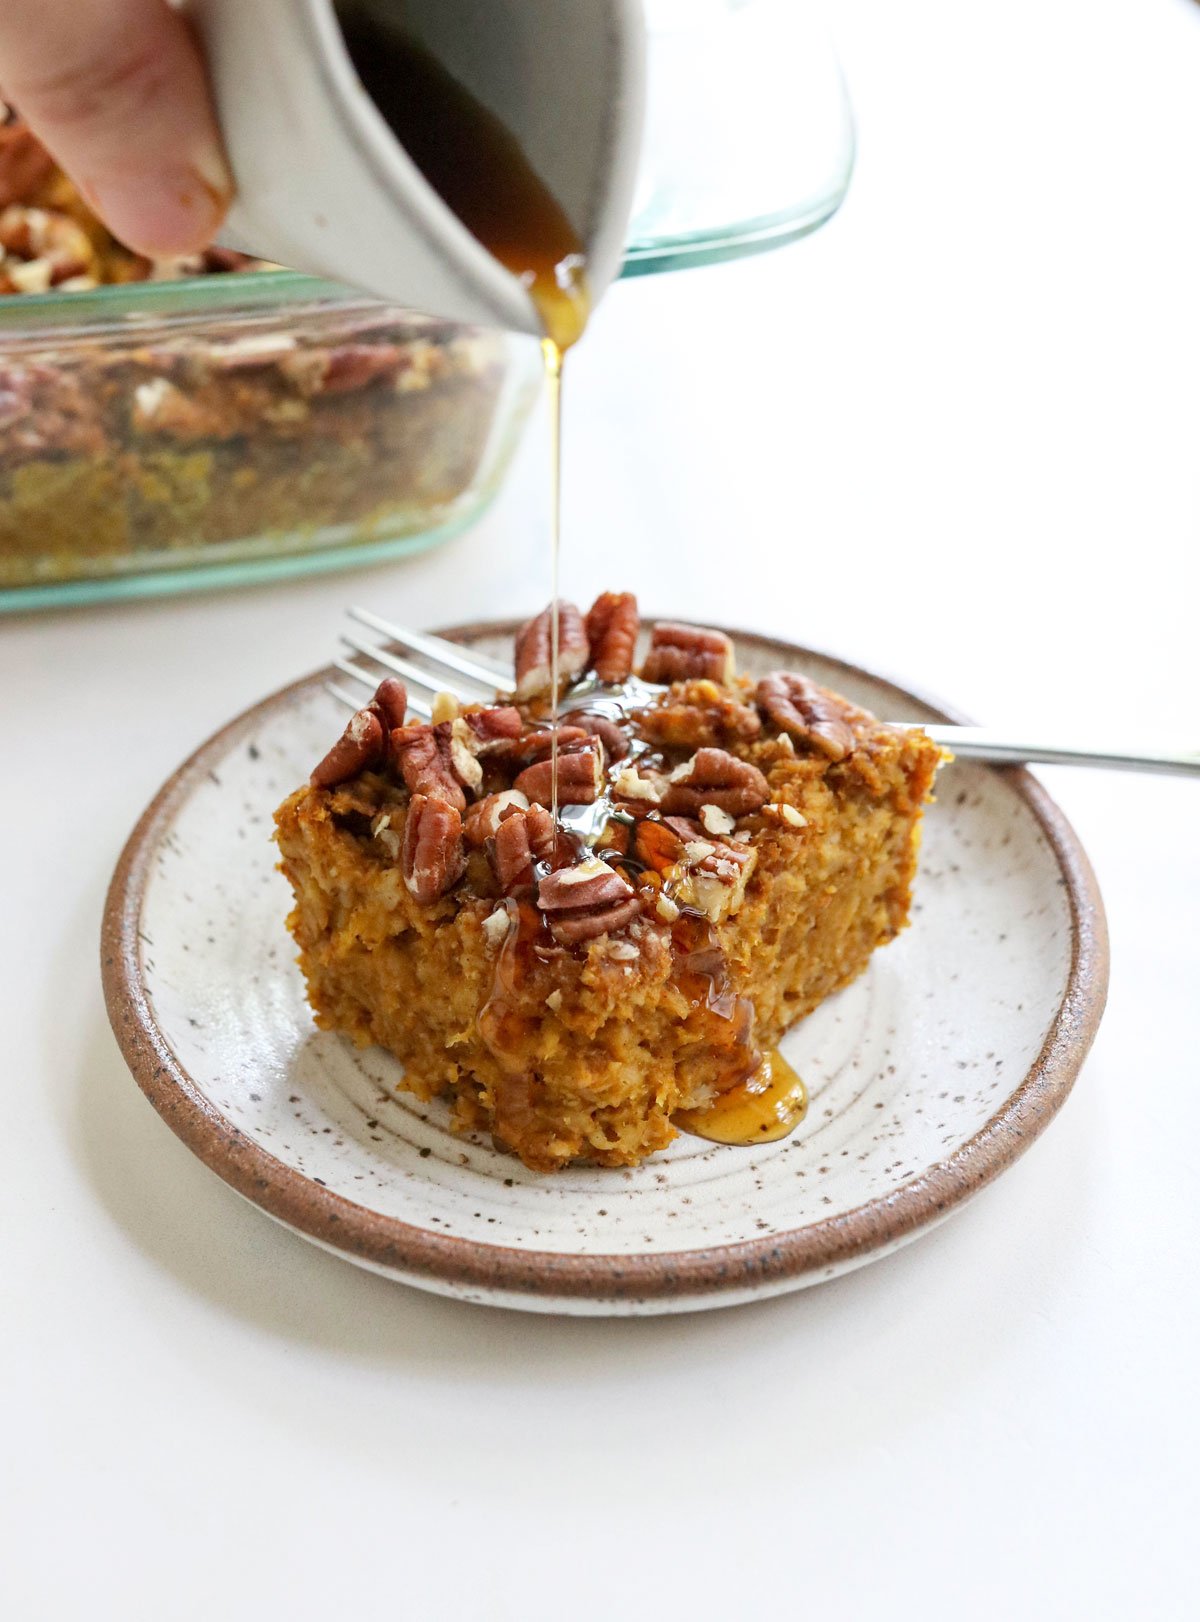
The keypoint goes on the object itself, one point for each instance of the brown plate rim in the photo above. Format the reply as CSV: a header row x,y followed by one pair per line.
x,y
390,1244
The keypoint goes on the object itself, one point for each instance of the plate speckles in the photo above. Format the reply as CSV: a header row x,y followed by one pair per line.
x,y
927,1076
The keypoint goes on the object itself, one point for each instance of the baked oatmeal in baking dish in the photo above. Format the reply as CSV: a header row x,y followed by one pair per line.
x,y
583,996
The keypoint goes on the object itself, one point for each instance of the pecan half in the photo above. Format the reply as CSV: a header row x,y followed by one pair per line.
x,y
523,838
537,744
580,777
585,901
424,766
612,736
808,713
533,649
483,819
360,746
432,855
715,777
680,652
612,628
494,727
390,703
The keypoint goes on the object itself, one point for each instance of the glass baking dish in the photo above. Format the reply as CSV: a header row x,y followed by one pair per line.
x,y
158,436
153,435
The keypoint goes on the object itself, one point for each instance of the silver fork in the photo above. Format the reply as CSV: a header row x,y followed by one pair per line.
x,y
476,678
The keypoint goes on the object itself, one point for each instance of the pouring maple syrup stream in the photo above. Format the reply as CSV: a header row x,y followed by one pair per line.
x,y
480,171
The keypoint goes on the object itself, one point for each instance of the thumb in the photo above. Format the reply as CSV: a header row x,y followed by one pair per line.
x,y
116,89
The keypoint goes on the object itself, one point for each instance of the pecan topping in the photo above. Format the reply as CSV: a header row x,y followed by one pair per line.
x,y
432,854
485,816
536,744
424,766
714,777
700,715
456,741
341,370
715,878
580,776
390,703
807,712
533,649
494,727
657,846
523,838
612,628
24,163
616,744
680,652
643,791
711,874
585,901
360,746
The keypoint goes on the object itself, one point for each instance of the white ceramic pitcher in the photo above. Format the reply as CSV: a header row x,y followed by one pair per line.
x,y
324,186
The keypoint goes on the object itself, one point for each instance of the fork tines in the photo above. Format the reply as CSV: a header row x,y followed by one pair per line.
x,y
473,678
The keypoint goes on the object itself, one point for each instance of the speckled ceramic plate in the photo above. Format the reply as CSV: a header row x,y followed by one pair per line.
x,y
928,1076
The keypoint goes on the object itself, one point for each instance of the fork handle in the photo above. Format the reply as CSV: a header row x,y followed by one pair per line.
x,y
980,743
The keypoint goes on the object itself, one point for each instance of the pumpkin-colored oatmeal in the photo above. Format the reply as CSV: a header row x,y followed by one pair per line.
x,y
753,846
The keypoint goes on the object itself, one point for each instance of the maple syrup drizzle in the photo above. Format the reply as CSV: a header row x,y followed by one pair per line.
x,y
552,356
481,172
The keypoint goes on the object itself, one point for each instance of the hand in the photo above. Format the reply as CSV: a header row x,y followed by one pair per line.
x,y
116,89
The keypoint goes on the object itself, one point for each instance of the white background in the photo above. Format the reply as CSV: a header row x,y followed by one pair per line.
x,y
955,435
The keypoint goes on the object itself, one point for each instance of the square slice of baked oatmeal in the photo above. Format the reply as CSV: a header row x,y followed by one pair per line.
x,y
727,854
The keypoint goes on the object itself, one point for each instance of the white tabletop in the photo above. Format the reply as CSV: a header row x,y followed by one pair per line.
x,y
955,436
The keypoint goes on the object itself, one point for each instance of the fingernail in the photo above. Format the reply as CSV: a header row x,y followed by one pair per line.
x,y
172,210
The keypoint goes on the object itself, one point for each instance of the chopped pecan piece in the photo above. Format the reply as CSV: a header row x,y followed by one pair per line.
x,y
612,628
711,874
587,900
456,741
533,649
425,767
432,853
699,715
715,777
360,746
49,239
580,777
715,878
808,713
485,816
521,840
642,791
681,652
